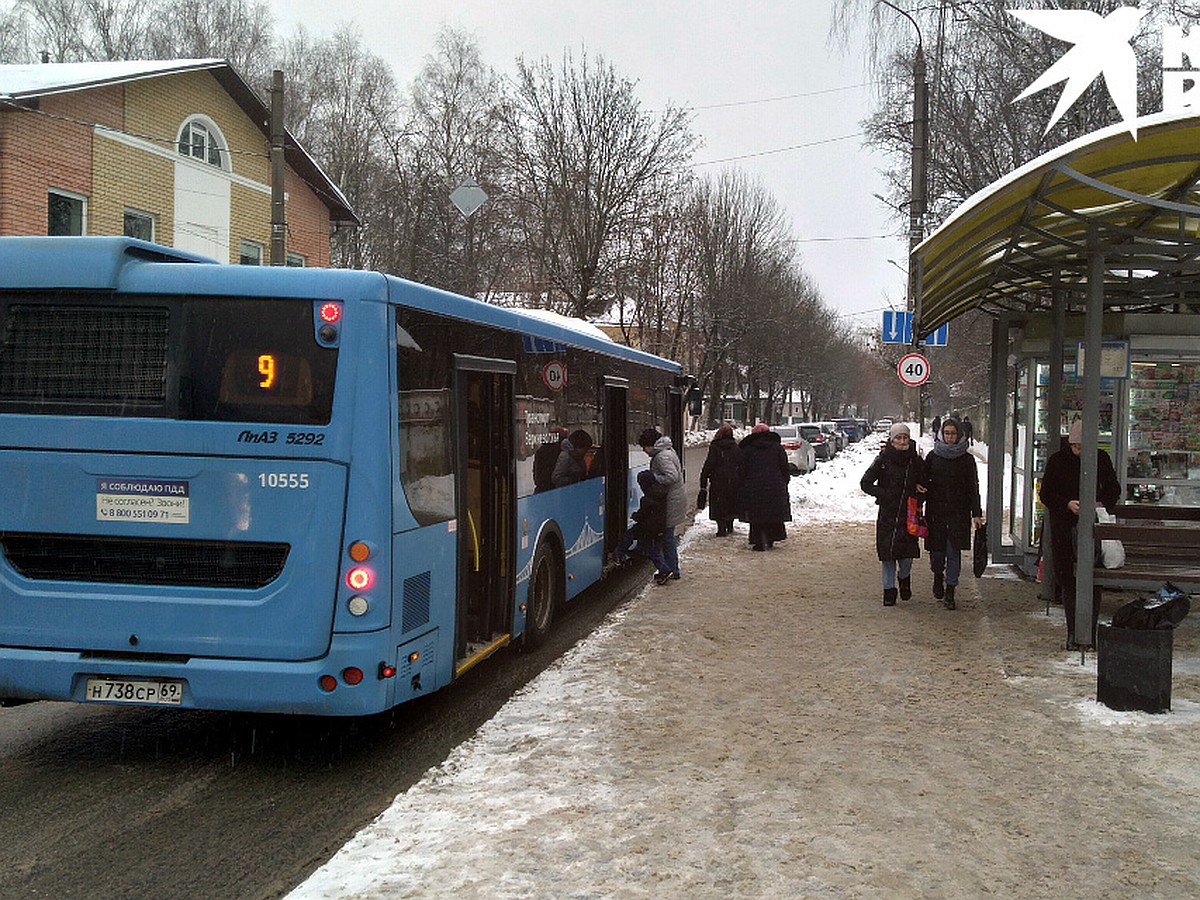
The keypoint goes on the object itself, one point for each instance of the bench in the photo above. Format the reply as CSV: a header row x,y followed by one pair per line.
x,y
1162,544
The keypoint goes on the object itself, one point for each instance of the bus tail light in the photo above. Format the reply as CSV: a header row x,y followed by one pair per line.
x,y
328,683
386,671
360,578
352,675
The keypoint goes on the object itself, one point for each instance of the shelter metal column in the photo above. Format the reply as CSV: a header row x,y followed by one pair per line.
x,y
1085,556
1054,403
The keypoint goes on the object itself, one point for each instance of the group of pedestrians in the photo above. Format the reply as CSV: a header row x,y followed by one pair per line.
x,y
748,481
936,498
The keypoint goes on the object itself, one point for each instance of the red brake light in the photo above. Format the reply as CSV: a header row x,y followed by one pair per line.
x,y
359,578
331,312
352,675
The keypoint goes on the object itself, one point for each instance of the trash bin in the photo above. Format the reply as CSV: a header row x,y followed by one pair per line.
x,y
1133,668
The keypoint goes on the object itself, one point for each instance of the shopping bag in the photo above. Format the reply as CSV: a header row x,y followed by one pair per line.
x,y
1112,553
980,549
702,498
916,521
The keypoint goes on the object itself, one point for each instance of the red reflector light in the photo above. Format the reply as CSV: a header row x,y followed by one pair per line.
x,y
352,675
328,682
359,578
330,312
386,671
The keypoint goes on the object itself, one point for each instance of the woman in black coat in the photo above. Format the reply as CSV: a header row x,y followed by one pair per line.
x,y
720,478
763,476
893,477
952,507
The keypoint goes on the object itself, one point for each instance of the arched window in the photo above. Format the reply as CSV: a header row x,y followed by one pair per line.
x,y
200,139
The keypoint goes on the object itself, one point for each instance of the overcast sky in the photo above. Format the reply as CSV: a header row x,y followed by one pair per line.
x,y
729,60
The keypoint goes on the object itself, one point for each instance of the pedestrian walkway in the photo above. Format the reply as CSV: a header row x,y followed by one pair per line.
x,y
766,728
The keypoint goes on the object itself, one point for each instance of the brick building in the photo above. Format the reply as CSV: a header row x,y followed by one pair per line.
x,y
177,152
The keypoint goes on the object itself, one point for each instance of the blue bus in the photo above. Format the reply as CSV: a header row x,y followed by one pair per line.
x,y
293,490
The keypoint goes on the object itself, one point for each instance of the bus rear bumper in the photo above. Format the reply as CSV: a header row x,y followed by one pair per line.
x,y
293,687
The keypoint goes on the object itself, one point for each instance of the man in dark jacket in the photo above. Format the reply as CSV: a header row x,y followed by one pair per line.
x,y
1059,493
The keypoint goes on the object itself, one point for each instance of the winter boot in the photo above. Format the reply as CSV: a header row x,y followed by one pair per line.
x,y
939,586
949,601
889,596
905,588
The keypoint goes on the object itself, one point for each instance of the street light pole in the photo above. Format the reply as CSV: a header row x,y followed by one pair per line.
x,y
918,200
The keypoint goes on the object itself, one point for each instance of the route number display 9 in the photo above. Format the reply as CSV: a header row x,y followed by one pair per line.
x,y
913,369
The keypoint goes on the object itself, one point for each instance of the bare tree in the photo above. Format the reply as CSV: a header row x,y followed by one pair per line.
x,y
54,28
14,35
239,31
584,154
453,133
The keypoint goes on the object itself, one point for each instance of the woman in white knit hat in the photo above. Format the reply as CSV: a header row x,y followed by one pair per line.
x,y
893,478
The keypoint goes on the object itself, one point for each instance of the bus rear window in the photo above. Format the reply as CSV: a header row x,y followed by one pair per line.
x,y
213,359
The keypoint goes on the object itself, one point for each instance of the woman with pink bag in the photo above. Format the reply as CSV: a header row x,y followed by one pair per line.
x,y
892,479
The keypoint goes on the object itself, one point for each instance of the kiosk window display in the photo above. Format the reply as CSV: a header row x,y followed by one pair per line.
x,y
1163,457
1157,455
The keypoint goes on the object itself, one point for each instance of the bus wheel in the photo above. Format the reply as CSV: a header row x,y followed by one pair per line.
x,y
545,585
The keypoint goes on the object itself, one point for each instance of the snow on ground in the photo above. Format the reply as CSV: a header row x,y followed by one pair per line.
x,y
423,827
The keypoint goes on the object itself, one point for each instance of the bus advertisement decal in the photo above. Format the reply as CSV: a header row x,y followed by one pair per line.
x,y
142,500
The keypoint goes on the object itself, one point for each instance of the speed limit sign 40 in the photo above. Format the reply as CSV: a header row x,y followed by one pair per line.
x,y
913,369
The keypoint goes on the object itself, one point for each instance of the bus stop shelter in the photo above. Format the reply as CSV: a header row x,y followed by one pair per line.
x,y
1105,224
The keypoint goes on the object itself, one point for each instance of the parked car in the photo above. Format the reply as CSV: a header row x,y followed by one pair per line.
x,y
802,458
851,429
883,424
835,434
815,435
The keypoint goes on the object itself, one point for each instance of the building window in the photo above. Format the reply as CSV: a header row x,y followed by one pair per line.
x,y
66,213
295,260
203,142
139,225
250,253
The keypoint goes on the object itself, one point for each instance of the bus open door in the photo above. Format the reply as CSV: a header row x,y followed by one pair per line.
x,y
486,491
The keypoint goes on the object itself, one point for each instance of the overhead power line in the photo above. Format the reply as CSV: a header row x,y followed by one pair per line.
x,y
733,103
844,137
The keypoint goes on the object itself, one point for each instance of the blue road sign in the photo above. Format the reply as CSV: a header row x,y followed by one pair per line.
x,y
897,329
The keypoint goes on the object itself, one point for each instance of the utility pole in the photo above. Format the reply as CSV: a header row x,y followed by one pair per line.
x,y
278,209
918,200
917,205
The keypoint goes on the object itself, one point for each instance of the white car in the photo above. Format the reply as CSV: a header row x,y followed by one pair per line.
x,y
802,458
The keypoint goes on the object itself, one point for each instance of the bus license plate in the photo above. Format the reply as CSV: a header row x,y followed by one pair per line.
x,y
127,690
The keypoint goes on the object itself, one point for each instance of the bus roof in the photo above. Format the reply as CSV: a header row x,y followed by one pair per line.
x,y
127,265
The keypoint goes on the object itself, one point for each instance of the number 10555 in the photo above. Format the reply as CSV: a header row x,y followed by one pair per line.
x,y
283,480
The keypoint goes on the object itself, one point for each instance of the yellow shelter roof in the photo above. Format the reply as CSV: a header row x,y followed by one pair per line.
x,y
1012,244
